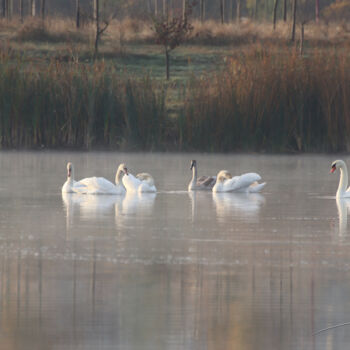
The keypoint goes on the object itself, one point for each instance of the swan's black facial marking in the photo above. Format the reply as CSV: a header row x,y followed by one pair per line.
x,y
334,168
193,163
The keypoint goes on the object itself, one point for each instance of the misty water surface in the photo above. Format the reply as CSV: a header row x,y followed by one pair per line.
x,y
172,270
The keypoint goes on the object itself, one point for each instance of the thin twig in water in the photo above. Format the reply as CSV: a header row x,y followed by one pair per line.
x,y
328,328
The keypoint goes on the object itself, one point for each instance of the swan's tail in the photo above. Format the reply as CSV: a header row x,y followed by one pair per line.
x,y
256,187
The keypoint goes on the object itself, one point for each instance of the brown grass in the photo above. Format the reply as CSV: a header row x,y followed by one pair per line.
x,y
53,31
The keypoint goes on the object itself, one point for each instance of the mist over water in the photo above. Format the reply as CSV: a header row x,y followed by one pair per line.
x,y
172,270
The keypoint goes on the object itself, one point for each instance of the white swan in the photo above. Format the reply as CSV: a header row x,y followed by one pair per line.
x,y
343,191
245,183
204,183
99,185
343,206
143,182
70,186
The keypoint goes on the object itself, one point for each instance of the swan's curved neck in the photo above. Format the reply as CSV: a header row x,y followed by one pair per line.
x,y
343,182
194,173
118,177
193,182
70,178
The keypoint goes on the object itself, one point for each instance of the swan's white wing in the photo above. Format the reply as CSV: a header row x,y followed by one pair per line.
x,y
242,182
68,187
98,185
145,187
347,193
131,183
256,187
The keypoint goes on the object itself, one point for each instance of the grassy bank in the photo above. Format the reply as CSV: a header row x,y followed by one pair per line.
x,y
234,88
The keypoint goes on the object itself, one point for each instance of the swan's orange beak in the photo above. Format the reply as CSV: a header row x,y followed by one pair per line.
x,y
333,169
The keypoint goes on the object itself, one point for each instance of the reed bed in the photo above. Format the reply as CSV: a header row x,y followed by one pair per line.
x,y
78,106
264,100
268,100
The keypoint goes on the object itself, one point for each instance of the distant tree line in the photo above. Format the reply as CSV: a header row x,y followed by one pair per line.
x,y
222,10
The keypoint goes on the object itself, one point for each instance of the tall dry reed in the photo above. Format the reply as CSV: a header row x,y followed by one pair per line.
x,y
271,101
71,105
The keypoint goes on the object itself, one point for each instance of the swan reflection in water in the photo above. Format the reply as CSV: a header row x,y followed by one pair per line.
x,y
116,208
246,205
343,206
135,204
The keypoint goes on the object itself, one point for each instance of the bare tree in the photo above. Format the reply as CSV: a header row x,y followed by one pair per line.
x,y
302,37
317,10
77,13
172,33
165,9
238,11
3,5
100,25
184,10
294,19
275,4
156,8
32,8
285,10
21,11
9,9
222,4
42,9
201,9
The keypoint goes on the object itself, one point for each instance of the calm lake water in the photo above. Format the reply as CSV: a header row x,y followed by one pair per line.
x,y
172,270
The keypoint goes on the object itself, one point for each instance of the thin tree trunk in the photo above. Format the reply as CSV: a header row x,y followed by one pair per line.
x,y
21,10
285,10
238,11
10,9
302,38
77,13
32,8
156,8
294,19
184,10
256,9
317,11
42,9
201,9
3,5
97,25
222,11
167,63
165,9
275,13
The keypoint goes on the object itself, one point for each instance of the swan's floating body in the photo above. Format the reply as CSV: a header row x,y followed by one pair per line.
x,y
143,182
204,183
343,190
71,186
247,183
100,185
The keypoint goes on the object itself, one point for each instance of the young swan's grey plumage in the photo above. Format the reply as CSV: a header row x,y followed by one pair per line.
x,y
204,183
343,191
